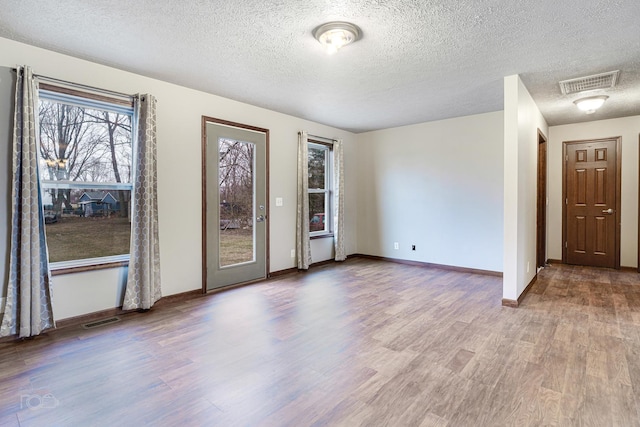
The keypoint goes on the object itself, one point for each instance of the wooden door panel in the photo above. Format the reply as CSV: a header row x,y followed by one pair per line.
x,y
600,198
601,236
580,243
580,187
590,190
581,235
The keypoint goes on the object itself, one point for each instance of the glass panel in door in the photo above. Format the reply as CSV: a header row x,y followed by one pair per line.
x,y
236,181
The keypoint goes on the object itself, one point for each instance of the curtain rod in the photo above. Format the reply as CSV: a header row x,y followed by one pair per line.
x,y
82,86
319,137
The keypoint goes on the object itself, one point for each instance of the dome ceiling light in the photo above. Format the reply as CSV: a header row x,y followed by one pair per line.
x,y
334,35
591,104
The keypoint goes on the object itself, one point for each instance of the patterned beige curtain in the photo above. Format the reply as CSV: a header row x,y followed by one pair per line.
x,y
28,308
303,244
338,183
143,282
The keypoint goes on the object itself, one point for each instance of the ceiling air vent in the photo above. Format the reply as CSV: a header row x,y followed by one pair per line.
x,y
597,81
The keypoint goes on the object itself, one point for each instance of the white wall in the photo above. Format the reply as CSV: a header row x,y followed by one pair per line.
x,y
629,129
179,176
436,185
522,119
88,292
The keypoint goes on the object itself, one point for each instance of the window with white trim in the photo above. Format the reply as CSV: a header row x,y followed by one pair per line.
x,y
320,183
85,166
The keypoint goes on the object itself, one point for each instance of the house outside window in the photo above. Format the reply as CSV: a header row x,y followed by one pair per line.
x,y
320,183
85,168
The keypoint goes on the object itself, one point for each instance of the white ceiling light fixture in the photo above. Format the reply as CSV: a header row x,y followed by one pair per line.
x,y
334,35
591,104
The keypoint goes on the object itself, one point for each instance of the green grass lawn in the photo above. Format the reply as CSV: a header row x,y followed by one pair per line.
x,y
236,246
78,238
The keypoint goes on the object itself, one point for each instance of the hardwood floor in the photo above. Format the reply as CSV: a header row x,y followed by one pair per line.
x,y
359,343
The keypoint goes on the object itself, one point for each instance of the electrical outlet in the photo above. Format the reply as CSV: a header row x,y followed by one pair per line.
x,y
413,247
293,253
279,201
396,245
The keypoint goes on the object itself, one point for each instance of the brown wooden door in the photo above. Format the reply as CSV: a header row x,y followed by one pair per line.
x,y
541,256
591,185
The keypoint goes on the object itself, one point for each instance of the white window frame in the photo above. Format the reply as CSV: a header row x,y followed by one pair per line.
x,y
328,188
51,94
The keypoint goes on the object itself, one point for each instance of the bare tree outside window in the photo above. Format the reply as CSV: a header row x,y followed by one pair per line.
x,y
236,180
80,146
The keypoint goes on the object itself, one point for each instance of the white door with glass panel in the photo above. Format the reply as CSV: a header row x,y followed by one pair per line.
x,y
235,203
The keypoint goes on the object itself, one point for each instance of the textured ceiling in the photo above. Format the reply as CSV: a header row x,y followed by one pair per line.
x,y
418,60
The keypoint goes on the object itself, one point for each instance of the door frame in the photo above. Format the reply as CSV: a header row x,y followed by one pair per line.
x,y
541,217
618,140
205,120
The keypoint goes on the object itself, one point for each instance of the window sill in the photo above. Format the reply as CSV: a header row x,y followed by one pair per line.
x,y
321,236
89,264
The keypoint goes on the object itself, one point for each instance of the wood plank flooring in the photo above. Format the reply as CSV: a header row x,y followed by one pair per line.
x,y
363,342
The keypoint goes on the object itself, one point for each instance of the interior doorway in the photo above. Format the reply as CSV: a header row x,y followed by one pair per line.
x,y
235,203
591,212
541,217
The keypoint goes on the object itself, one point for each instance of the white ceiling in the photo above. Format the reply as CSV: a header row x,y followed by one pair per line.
x,y
418,60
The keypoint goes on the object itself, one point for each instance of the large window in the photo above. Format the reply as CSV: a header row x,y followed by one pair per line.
x,y
85,175
320,189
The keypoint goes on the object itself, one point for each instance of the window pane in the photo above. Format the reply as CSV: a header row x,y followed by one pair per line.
x,y
317,217
317,165
85,172
84,145
236,175
86,223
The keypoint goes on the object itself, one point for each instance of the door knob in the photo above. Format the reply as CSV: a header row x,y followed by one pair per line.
x,y
607,211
